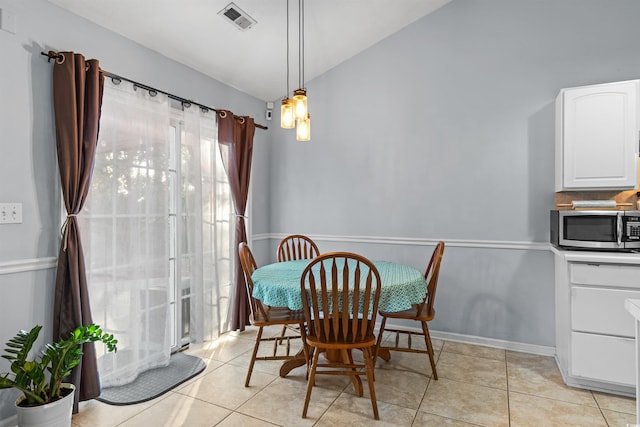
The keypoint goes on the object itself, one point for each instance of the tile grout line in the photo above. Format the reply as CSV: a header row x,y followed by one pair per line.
x,y
599,408
229,364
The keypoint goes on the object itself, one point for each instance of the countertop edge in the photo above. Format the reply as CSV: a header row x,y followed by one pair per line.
x,y
598,256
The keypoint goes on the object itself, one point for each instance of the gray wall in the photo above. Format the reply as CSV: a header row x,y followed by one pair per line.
x,y
445,130
28,165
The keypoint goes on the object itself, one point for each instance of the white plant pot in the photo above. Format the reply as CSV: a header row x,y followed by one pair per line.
x,y
54,414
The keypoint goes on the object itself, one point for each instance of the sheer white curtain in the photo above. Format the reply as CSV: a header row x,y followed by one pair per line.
x,y
206,269
157,229
125,232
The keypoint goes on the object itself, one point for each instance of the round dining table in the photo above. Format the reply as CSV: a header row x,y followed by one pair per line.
x,y
278,285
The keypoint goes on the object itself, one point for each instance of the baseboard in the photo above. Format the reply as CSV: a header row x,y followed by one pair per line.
x,y
540,350
487,342
9,422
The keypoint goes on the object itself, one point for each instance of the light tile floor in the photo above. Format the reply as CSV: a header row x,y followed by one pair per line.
x,y
477,386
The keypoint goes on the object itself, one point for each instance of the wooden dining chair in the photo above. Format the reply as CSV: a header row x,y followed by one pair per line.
x,y
297,246
263,315
294,247
340,293
423,313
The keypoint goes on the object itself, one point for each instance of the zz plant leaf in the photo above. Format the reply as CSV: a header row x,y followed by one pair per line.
x,y
39,379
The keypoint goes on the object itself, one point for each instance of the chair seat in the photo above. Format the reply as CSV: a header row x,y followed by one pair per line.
x,y
277,316
368,341
416,312
340,338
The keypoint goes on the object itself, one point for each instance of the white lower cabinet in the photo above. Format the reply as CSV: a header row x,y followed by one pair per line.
x,y
595,334
603,358
597,310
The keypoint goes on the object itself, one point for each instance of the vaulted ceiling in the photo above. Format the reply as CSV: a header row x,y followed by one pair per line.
x,y
253,60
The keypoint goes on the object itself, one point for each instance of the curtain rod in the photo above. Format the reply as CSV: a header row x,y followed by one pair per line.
x,y
55,55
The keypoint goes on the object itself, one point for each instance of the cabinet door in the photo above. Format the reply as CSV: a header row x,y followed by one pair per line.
x,y
600,135
603,358
601,310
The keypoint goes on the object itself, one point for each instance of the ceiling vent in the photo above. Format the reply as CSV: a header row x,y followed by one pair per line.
x,y
237,16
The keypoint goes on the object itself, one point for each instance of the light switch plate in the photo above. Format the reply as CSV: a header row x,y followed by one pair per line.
x,y
7,21
10,213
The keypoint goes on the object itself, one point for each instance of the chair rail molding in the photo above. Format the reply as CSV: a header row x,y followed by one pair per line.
x,y
414,241
24,265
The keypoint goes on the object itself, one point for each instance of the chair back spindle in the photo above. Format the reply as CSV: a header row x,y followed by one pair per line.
x,y
341,297
295,247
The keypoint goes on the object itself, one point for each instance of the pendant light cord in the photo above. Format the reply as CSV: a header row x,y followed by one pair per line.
x,y
301,44
302,19
287,96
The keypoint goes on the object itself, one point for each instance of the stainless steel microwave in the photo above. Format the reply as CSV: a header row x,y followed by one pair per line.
x,y
607,230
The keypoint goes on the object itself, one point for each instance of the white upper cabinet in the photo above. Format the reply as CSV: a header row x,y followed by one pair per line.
x,y
597,136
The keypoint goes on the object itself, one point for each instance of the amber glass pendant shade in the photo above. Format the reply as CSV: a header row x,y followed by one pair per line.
x,y
287,121
303,129
300,104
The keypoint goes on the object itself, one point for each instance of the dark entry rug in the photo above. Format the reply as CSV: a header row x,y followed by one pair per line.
x,y
155,382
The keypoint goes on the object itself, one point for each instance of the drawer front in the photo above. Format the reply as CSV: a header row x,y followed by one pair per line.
x,y
603,358
601,310
621,276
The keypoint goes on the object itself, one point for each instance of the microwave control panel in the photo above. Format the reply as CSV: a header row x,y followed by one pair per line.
x,y
633,228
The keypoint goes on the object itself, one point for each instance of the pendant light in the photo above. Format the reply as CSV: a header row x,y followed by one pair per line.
x,y
286,114
287,120
303,118
303,128
300,103
293,111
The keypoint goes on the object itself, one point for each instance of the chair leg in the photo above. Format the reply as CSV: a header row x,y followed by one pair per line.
x,y
253,356
311,351
305,347
347,357
310,383
427,339
379,342
370,379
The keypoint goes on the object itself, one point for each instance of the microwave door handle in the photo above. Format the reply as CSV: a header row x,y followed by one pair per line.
x,y
619,229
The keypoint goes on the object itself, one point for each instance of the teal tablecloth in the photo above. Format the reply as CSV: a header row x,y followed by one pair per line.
x,y
278,285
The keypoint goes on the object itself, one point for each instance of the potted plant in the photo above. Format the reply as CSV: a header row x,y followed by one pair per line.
x,y
40,378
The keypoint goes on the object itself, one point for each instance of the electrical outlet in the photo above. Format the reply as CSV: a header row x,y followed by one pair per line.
x,y
10,213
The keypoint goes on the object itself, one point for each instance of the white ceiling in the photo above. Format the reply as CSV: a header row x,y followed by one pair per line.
x,y
254,61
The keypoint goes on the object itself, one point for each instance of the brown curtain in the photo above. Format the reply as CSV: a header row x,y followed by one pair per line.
x,y
77,98
235,138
